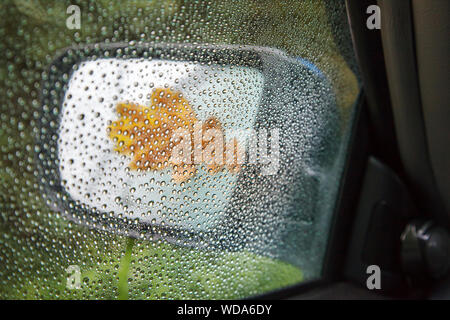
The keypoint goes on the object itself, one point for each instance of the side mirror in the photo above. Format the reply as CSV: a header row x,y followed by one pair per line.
x,y
106,144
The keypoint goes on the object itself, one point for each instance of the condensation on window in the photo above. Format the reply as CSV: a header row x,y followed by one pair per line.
x,y
170,149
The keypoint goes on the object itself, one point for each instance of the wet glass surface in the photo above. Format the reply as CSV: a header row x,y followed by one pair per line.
x,y
169,150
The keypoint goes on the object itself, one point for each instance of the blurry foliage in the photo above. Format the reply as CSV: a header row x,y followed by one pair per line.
x,y
37,245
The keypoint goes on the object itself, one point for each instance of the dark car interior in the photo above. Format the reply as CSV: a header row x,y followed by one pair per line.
x,y
394,204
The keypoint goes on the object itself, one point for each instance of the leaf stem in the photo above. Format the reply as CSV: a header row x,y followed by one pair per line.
x,y
123,270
